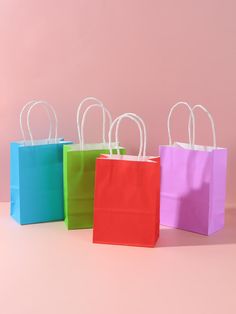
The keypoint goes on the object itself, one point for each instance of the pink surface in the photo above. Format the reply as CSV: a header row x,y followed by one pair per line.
x,y
139,56
46,269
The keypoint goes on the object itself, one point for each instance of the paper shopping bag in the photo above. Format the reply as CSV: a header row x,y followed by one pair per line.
x,y
37,178
127,195
79,172
193,184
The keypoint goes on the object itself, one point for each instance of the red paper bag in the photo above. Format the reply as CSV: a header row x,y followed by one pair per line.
x,y
127,195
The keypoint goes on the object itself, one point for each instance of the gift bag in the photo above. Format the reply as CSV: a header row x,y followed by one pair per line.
x,y
127,194
193,182
79,170
36,173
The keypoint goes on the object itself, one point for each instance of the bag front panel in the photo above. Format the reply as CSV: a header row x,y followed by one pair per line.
x,y
41,183
127,202
186,176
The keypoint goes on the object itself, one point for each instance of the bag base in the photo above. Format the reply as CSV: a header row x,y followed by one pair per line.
x,y
83,221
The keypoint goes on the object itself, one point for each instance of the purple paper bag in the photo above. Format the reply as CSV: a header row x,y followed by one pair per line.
x,y
193,183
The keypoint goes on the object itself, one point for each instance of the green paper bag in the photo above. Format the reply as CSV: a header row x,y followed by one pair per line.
x,y
79,172
79,176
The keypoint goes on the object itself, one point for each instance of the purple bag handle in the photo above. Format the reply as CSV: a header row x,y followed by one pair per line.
x,y
191,138
211,120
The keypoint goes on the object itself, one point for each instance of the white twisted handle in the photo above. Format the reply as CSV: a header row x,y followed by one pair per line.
x,y
83,122
50,109
82,103
28,106
191,138
211,121
142,133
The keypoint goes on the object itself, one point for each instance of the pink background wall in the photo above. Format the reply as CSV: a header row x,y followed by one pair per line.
x,y
136,55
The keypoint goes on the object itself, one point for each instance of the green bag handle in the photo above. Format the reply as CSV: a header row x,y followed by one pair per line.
x,y
28,107
80,126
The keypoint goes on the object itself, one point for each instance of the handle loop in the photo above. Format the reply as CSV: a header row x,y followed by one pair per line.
x,y
29,104
88,99
104,110
191,138
211,121
142,132
50,109
143,129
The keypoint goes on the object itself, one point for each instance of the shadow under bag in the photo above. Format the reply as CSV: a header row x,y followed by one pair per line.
x,y
193,182
36,179
127,195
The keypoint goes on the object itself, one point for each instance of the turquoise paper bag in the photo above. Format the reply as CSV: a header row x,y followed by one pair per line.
x,y
36,178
